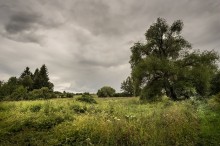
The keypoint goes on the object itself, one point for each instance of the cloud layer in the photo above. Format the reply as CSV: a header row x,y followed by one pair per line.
x,y
85,43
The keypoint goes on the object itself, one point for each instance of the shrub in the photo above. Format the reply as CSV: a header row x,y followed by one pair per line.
x,y
78,109
50,122
123,94
44,93
87,98
69,95
19,94
35,108
106,91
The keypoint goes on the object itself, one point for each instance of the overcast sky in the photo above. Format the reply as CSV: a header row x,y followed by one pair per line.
x,y
86,43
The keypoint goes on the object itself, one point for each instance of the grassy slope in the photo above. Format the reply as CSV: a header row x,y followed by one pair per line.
x,y
113,121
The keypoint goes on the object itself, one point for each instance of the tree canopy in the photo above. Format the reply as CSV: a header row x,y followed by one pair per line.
x,y
127,86
166,64
106,91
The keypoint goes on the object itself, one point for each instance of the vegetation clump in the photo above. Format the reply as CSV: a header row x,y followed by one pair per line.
x,y
106,91
86,98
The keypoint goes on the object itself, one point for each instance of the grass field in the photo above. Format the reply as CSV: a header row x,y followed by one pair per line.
x,y
112,121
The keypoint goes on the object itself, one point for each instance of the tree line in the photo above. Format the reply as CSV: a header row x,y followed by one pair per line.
x,y
28,85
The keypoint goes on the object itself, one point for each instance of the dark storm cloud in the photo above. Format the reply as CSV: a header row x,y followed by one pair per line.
x,y
26,21
21,22
85,43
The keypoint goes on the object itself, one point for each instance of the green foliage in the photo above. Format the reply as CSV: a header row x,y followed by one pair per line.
x,y
78,108
106,91
87,98
43,93
20,93
26,72
27,82
35,108
209,116
41,78
165,65
215,84
127,87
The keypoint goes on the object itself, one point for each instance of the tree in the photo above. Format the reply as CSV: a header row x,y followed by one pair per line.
x,y
41,78
27,82
44,77
36,79
165,64
43,73
127,86
106,91
26,72
26,78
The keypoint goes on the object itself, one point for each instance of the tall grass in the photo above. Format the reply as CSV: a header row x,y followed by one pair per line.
x,y
113,121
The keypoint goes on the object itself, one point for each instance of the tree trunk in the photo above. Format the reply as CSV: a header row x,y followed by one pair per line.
x,y
173,94
169,90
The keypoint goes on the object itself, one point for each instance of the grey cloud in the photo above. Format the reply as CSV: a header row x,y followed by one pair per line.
x,y
26,21
21,22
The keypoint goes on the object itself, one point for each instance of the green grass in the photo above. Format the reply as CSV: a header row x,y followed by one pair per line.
x,y
112,121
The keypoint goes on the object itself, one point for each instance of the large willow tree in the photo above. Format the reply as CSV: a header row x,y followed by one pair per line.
x,y
166,64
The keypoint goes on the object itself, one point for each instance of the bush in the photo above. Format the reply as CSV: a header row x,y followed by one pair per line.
x,y
50,122
87,98
78,109
35,108
106,91
19,94
123,94
43,93
69,95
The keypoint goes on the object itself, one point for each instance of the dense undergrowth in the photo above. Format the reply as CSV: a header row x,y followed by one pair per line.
x,y
112,121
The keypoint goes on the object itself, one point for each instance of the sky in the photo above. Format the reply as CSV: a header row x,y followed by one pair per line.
x,y
85,44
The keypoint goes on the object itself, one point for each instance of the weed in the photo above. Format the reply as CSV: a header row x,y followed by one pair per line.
x,y
86,98
35,108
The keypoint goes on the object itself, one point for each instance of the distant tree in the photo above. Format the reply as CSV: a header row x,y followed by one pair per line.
x,y
127,87
26,72
165,64
106,91
1,90
11,85
1,83
44,77
41,78
36,79
27,82
26,78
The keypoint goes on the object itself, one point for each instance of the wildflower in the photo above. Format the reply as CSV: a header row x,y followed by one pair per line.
x,y
108,120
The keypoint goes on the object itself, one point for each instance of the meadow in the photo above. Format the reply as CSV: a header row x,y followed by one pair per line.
x,y
111,121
